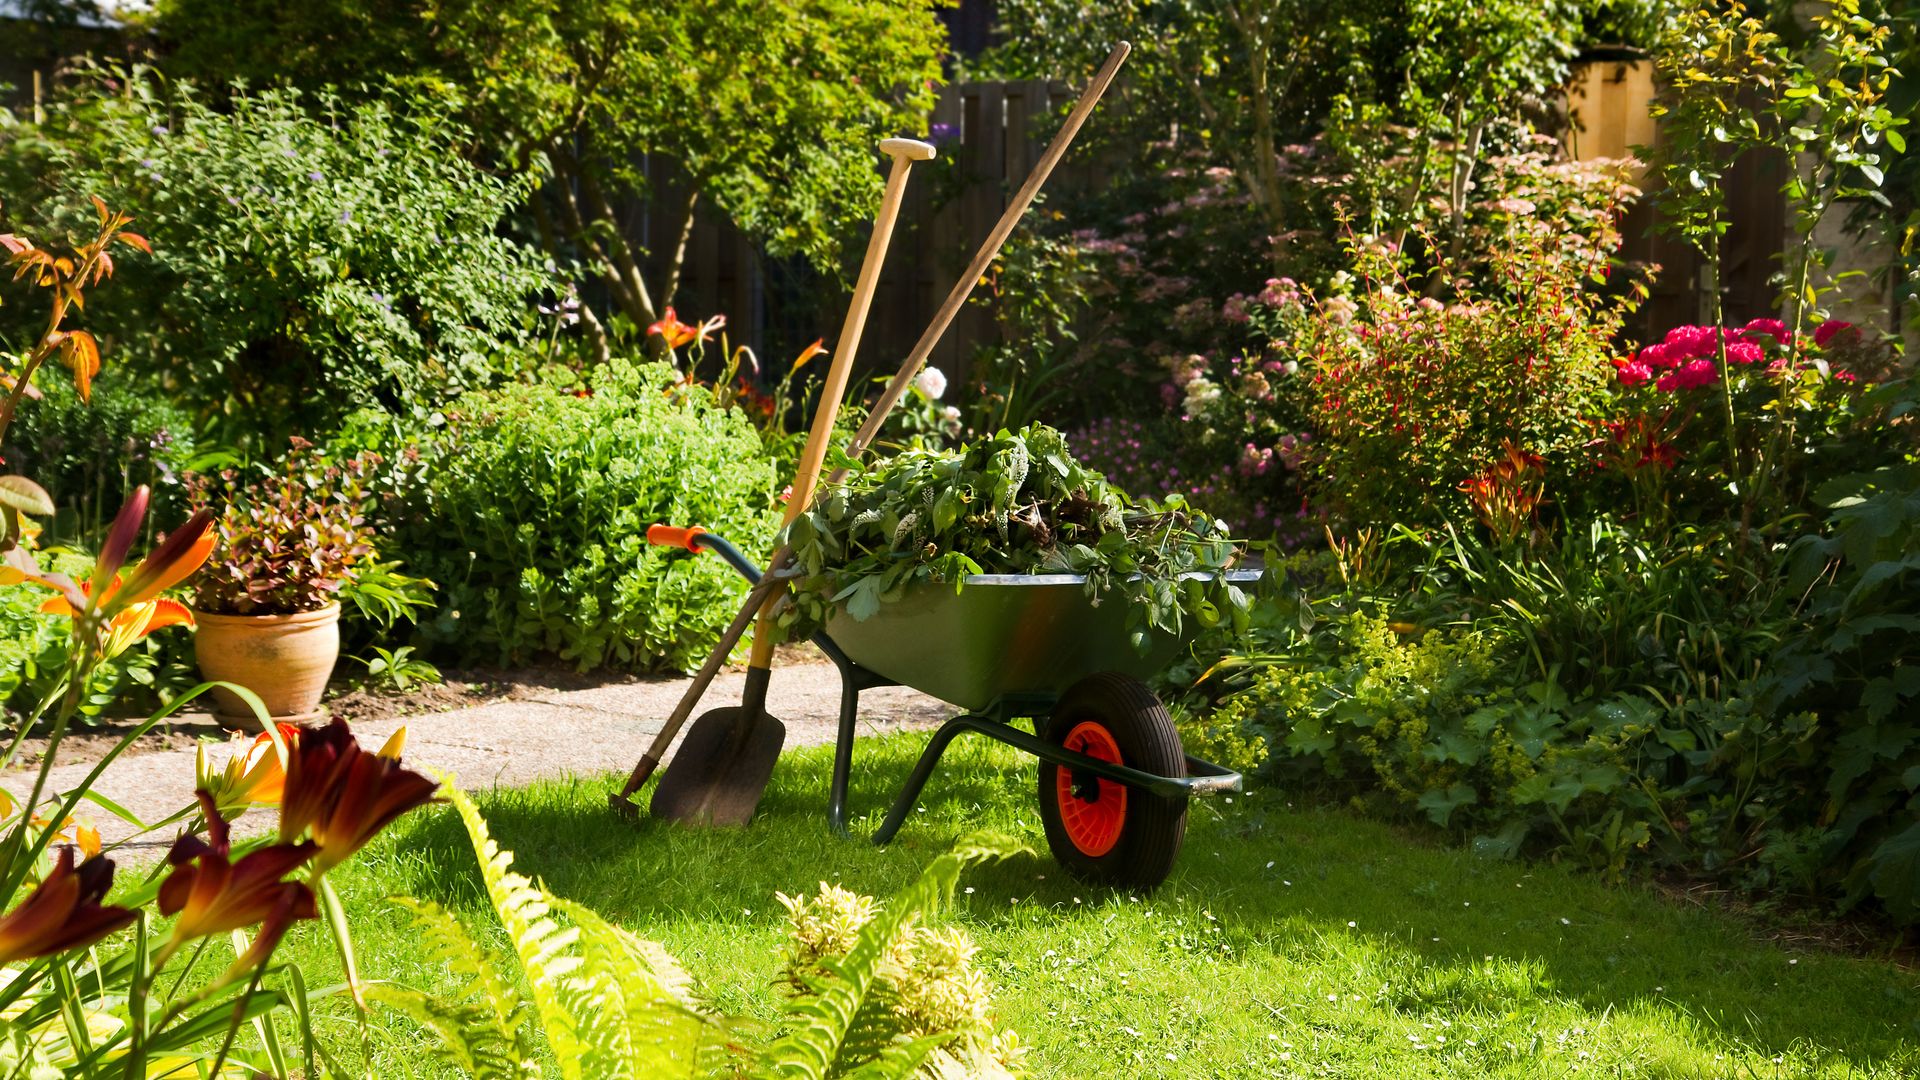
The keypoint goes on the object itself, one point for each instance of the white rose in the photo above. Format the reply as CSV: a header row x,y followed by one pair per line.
x,y
932,382
1200,394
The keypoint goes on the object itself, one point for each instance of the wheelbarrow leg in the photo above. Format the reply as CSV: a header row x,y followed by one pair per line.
x,y
923,769
853,679
843,757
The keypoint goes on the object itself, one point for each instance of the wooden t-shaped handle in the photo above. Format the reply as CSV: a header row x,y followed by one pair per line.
x,y
806,476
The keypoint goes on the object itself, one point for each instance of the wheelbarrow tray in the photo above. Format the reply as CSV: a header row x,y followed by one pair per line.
x,y
1003,636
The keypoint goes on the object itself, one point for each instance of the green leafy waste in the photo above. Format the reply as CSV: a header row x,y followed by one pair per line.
x,y
1017,503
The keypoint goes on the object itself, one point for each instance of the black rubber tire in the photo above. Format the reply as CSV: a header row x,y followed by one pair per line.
x,y
1154,828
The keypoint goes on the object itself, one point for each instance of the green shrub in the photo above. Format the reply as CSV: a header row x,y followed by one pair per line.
x,y
1858,662
308,256
1618,699
530,510
1432,721
89,455
1416,399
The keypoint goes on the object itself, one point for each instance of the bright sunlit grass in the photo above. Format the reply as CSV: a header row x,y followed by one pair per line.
x,y
1289,941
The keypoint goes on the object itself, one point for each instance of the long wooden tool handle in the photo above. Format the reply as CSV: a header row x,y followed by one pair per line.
x,y
895,389
807,474
987,253
904,153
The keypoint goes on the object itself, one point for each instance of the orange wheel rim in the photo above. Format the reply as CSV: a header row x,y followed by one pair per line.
x,y
1093,810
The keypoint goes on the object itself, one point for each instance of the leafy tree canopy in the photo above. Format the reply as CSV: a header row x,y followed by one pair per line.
x,y
768,111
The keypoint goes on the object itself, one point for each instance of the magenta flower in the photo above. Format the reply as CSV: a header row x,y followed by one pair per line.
x,y
1699,372
1830,329
1772,328
1743,352
1634,372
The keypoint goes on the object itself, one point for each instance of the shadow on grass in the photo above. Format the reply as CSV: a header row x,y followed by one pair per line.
x,y
1273,899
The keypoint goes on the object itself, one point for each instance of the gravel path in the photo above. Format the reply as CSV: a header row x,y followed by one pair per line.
x,y
545,733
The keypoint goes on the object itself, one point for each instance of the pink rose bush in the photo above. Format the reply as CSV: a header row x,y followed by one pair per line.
x,y
1689,356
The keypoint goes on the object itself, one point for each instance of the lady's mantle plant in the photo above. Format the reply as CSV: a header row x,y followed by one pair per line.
x,y
1017,503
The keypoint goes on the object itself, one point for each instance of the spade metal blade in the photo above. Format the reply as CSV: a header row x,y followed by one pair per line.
x,y
721,769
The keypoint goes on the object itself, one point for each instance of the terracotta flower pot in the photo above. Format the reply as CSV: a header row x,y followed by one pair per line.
x,y
286,659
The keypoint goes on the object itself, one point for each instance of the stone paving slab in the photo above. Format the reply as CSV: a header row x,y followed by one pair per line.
x,y
541,733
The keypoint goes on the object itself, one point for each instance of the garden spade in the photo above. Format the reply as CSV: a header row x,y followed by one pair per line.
x,y
728,756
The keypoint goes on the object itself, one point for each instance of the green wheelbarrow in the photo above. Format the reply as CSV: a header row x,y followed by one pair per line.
x,y
1114,782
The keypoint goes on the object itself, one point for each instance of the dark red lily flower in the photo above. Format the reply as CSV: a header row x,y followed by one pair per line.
x,y
64,912
316,762
212,895
374,791
120,538
182,553
344,795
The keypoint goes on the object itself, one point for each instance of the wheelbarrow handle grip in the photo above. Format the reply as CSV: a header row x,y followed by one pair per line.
x,y
675,536
696,539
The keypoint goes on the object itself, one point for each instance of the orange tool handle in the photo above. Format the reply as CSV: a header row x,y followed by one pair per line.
x,y
675,536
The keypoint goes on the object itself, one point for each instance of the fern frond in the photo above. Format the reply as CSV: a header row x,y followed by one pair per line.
x,y
650,1019
970,1063
901,1059
546,950
476,969
820,1022
470,1039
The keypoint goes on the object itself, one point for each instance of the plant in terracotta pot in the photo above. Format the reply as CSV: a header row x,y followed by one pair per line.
x,y
268,601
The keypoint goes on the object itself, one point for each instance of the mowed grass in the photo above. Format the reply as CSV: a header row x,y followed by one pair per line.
x,y
1289,942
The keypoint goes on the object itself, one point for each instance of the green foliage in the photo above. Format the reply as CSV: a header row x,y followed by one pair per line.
x,y
90,454
530,507
773,121
1241,81
1040,290
1858,662
303,264
1017,503
611,1004
399,669
1619,698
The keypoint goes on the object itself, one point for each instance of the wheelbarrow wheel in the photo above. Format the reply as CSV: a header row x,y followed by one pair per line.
x,y
1100,829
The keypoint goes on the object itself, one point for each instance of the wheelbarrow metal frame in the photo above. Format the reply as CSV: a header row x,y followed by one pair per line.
x,y
995,721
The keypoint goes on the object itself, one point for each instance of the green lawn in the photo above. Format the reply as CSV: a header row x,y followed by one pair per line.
x,y
1289,941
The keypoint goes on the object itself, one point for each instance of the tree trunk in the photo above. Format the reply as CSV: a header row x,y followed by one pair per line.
x,y
679,257
596,332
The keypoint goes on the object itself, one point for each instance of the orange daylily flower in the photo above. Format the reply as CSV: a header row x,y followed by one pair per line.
x,y
255,775
678,333
342,794
819,346
178,557
670,327
130,624
64,912
132,607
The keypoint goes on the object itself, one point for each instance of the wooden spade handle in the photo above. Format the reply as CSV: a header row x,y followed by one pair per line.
x,y
989,250
807,474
